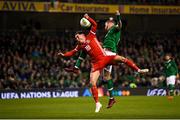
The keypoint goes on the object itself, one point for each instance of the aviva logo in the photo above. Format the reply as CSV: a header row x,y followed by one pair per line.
x,y
17,6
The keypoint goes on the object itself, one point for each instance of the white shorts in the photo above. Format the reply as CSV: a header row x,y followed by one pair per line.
x,y
171,80
109,67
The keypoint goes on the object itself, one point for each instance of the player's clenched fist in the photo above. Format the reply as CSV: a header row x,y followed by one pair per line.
x,y
86,16
117,12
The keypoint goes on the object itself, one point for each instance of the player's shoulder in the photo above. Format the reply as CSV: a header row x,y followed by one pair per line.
x,y
91,34
173,61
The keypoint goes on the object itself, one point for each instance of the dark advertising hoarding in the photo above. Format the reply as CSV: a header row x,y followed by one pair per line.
x,y
81,92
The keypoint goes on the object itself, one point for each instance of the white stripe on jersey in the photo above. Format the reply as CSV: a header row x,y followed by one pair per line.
x,y
92,32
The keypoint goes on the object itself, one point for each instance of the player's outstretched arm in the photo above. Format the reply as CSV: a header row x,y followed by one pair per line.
x,y
93,22
119,25
69,53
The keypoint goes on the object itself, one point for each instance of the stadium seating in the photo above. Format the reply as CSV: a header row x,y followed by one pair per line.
x,y
28,59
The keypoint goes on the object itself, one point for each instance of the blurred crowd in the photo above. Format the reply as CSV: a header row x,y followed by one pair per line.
x,y
28,59
148,50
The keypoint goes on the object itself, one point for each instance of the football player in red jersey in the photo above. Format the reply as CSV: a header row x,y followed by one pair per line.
x,y
99,59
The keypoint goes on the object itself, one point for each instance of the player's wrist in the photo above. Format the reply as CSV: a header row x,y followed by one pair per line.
x,y
118,17
117,12
86,16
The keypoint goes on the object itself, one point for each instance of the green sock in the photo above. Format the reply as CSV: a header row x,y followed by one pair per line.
x,y
171,89
90,85
110,88
78,63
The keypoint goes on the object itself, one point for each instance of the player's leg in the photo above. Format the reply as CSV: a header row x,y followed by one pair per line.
x,y
170,86
93,79
130,63
108,78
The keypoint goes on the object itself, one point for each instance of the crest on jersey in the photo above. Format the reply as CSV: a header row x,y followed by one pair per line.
x,y
87,41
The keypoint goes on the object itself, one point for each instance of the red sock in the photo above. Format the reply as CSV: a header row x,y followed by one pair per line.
x,y
131,64
94,91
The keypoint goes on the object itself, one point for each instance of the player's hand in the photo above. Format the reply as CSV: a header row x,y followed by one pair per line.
x,y
86,16
60,54
117,12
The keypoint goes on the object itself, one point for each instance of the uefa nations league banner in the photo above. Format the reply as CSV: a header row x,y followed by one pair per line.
x,y
81,92
40,93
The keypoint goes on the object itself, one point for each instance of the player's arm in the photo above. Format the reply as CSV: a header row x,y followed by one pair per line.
x,y
70,53
93,22
81,58
119,23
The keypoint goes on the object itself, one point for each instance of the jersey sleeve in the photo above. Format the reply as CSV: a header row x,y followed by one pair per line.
x,y
94,25
72,52
119,23
81,58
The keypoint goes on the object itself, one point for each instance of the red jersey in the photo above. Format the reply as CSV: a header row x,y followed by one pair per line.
x,y
93,49
91,45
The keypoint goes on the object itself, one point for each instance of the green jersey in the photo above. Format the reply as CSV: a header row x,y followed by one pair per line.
x,y
112,39
170,68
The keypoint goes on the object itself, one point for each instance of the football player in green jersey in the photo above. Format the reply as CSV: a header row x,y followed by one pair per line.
x,y
171,72
110,45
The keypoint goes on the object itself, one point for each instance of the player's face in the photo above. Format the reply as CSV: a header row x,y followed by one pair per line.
x,y
167,57
80,38
108,25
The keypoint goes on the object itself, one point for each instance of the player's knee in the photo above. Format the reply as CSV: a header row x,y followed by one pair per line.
x,y
107,77
123,59
120,58
93,83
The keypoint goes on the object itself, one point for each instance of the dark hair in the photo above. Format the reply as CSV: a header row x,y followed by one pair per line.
x,y
79,32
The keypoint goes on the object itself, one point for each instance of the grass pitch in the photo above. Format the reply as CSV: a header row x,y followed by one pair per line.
x,y
83,107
